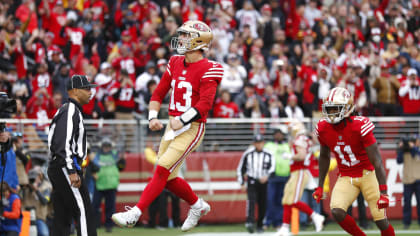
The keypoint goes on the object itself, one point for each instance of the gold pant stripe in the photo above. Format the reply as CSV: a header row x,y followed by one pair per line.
x,y
192,145
296,197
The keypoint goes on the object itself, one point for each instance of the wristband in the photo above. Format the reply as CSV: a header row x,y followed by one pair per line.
x,y
189,116
153,115
383,187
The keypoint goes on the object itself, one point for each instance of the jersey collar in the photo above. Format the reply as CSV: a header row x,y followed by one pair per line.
x,y
76,103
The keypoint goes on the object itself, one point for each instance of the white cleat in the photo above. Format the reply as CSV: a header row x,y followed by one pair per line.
x,y
283,231
318,222
195,214
128,218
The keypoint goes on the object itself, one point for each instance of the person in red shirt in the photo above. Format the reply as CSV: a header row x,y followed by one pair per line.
x,y
74,34
409,94
193,79
307,76
42,79
299,177
126,61
224,107
350,138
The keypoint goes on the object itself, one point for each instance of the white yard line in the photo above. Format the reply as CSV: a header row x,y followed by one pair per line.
x,y
369,232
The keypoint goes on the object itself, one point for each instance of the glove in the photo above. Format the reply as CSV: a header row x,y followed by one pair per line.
x,y
317,195
383,201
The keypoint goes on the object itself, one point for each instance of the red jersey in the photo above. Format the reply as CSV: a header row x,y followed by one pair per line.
x,y
348,140
309,76
225,110
193,85
127,63
76,38
305,142
42,81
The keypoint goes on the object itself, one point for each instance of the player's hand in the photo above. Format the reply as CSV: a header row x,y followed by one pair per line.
x,y
175,124
75,180
155,124
317,195
383,201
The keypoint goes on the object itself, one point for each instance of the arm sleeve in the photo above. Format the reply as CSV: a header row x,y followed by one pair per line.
x,y
207,92
162,88
242,168
404,90
366,133
15,213
64,135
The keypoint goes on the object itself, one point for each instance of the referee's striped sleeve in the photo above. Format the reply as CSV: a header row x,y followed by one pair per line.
x,y
69,138
242,168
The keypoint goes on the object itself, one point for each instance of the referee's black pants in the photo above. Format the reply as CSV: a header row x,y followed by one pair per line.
x,y
70,204
257,194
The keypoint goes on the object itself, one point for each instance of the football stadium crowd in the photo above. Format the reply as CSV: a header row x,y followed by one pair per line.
x,y
280,57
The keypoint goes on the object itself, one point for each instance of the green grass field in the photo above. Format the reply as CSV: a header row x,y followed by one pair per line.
x,y
331,229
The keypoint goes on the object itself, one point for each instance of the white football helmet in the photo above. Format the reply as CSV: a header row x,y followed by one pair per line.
x,y
297,128
337,105
198,36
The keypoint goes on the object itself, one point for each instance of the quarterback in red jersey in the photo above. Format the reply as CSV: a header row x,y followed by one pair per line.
x,y
194,81
351,139
299,177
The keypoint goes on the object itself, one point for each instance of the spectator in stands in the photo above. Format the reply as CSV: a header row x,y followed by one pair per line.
x,y
409,155
321,86
250,104
60,80
387,87
37,195
234,76
11,220
410,94
280,77
109,163
150,73
280,149
224,107
293,111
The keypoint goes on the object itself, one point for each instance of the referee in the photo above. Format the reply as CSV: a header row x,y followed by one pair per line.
x,y
255,167
67,146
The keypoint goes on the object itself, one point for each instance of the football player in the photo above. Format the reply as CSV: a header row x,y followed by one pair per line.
x,y
350,138
193,80
299,177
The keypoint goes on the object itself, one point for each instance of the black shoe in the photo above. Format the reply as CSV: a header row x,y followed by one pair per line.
x,y
260,230
250,227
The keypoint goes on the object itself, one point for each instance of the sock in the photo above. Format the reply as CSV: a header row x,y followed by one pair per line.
x,y
303,207
182,189
388,232
153,188
287,214
350,226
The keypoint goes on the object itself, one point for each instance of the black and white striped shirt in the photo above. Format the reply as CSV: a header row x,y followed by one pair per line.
x,y
67,136
255,164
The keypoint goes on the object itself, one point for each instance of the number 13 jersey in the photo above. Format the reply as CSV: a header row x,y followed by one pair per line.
x,y
348,140
193,85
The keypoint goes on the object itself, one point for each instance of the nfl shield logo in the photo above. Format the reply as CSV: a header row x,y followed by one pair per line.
x,y
184,72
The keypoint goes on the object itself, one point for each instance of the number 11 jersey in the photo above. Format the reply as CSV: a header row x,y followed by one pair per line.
x,y
348,140
193,85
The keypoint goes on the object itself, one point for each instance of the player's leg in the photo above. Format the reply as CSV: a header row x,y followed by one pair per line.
x,y
370,190
302,181
187,142
343,195
287,202
250,205
170,156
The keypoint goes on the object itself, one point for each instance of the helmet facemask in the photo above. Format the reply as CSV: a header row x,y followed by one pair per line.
x,y
182,43
334,113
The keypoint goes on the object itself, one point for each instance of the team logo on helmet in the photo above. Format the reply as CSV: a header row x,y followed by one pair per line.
x,y
200,27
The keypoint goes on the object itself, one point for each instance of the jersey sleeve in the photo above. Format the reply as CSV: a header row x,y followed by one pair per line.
x,y
318,132
215,73
366,132
164,84
208,87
